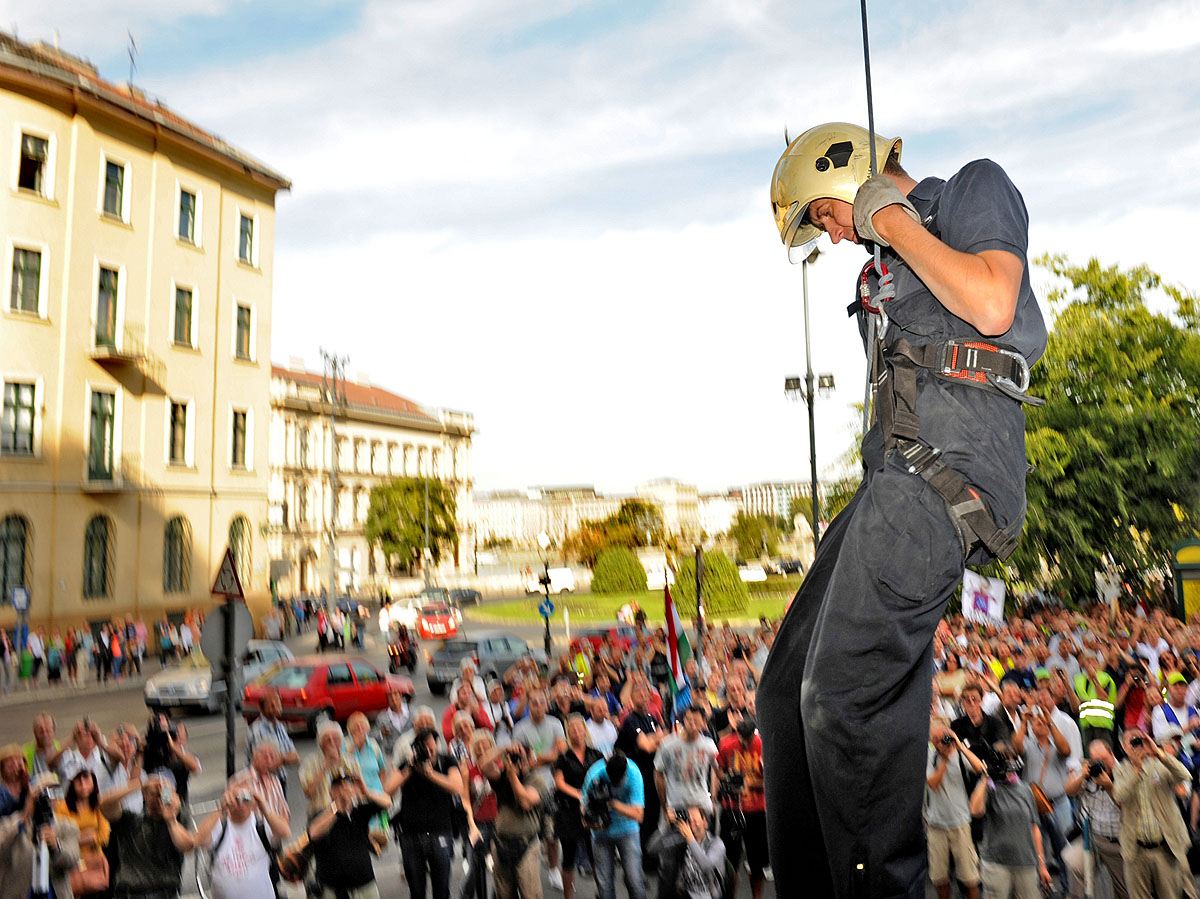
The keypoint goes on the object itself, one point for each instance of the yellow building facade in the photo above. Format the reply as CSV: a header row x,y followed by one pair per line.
x,y
134,348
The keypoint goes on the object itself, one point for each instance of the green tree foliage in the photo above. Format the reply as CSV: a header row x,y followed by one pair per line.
x,y
618,570
725,593
1115,449
635,524
754,535
396,519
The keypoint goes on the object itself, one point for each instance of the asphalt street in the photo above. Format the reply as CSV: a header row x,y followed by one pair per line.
x,y
116,704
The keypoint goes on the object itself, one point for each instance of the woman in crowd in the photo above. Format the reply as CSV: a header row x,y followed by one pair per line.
x,y
570,768
314,773
479,803
81,804
1011,859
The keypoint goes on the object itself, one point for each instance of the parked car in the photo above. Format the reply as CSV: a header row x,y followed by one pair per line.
x,y
752,573
562,580
493,653
791,566
437,621
465,596
192,685
320,688
621,636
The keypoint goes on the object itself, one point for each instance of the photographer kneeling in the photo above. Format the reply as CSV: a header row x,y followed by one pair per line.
x,y
614,800
38,852
520,792
691,860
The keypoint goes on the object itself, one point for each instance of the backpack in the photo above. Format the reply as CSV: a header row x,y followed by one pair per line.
x,y
260,828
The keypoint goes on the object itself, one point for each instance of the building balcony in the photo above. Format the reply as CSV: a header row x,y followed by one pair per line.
x,y
127,350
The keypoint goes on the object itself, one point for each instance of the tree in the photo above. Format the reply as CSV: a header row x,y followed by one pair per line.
x,y
754,535
636,523
396,519
725,592
618,570
1116,480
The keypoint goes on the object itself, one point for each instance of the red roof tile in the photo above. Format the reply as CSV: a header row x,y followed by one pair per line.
x,y
361,396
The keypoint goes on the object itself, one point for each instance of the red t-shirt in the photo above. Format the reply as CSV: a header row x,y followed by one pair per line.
x,y
483,800
734,755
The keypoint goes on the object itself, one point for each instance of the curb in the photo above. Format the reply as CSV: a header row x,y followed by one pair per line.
x,y
20,697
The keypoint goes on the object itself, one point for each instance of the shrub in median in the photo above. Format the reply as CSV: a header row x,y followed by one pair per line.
x,y
618,570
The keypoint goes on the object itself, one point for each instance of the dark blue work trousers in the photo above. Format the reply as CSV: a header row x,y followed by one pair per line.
x,y
845,696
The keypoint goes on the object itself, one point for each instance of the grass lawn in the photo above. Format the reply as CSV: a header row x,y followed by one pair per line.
x,y
589,608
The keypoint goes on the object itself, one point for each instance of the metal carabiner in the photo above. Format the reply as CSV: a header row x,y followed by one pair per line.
x,y
1024,369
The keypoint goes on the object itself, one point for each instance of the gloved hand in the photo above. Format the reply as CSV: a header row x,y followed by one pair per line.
x,y
876,193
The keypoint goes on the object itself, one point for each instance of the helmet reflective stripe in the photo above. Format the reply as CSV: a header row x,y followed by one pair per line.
x,y
830,160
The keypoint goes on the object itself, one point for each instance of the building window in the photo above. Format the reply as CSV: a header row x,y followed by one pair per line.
x,y
178,433
302,505
183,316
187,216
35,155
242,339
246,239
97,558
100,445
237,451
14,554
239,545
114,189
106,308
303,448
26,280
177,556
16,426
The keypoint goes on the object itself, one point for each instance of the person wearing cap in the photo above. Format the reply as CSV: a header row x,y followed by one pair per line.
x,y
1175,711
1154,838
944,485
240,835
150,844
340,836
314,773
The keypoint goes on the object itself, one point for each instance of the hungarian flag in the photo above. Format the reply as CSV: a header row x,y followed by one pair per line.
x,y
678,652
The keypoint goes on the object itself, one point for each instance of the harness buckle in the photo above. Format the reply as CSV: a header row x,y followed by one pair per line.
x,y
1022,369
917,455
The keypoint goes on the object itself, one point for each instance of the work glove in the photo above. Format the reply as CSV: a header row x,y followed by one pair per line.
x,y
877,192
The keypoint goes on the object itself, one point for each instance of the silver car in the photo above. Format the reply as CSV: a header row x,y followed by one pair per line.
x,y
192,685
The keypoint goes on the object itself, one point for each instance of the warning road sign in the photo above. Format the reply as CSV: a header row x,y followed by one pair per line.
x,y
228,584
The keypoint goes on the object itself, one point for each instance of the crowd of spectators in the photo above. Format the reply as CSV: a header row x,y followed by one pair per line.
x,y
1064,744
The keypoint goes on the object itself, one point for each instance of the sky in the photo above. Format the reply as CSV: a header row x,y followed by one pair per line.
x,y
555,214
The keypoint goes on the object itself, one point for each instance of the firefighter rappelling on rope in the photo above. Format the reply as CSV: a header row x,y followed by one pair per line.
x,y
950,327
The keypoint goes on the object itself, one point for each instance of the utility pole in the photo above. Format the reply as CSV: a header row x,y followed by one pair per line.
x,y
812,421
335,371
428,555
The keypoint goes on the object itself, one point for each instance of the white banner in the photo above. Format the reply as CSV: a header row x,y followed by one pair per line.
x,y
982,597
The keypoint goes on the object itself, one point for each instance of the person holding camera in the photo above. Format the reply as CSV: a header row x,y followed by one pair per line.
x,y
240,835
428,781
613,803
693,860
81,804
38,851
1012,862
743,805
479,803
948,811
341,839
520,795
316,770
570,769
1154,838
1093,786
150,844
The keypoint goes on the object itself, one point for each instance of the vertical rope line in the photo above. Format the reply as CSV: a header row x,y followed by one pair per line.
x,y
871,323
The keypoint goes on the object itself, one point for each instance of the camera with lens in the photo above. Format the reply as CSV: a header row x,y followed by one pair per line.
x,y
1095,769
999,764
43,805
1137,742
421,754
597,804
730,785
947,740
157,751
681,815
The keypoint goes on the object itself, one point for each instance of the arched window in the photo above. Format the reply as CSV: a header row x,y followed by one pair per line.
x,y
177,556
98,551
239,545
14,554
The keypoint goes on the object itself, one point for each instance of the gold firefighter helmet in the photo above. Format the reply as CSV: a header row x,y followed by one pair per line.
x,y
830,160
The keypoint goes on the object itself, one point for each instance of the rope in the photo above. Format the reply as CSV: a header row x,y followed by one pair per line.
x,y
871,322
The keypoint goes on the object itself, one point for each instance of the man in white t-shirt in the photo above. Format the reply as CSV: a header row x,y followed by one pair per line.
x,y
238,834
602,733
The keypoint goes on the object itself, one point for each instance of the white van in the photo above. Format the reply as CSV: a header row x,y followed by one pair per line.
x,y
562,580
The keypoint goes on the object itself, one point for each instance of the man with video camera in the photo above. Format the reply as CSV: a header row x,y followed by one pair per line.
x,y
692,864
743,805
38,852
1093,786
614,800
428,782
1154,838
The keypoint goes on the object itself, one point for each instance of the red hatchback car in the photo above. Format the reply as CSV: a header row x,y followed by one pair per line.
x,y
437,622
324,687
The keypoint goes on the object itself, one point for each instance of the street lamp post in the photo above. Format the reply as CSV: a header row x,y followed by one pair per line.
x,y
335,371
805,388
544,543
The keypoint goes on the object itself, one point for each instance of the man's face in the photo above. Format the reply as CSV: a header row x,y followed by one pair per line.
x,y
735,692
602,683
537,706
692,723
599,709
464,695
1178,693
272,706
641,697
1012,696
971,703
266,759
43,730
341,791
834,217
396,701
